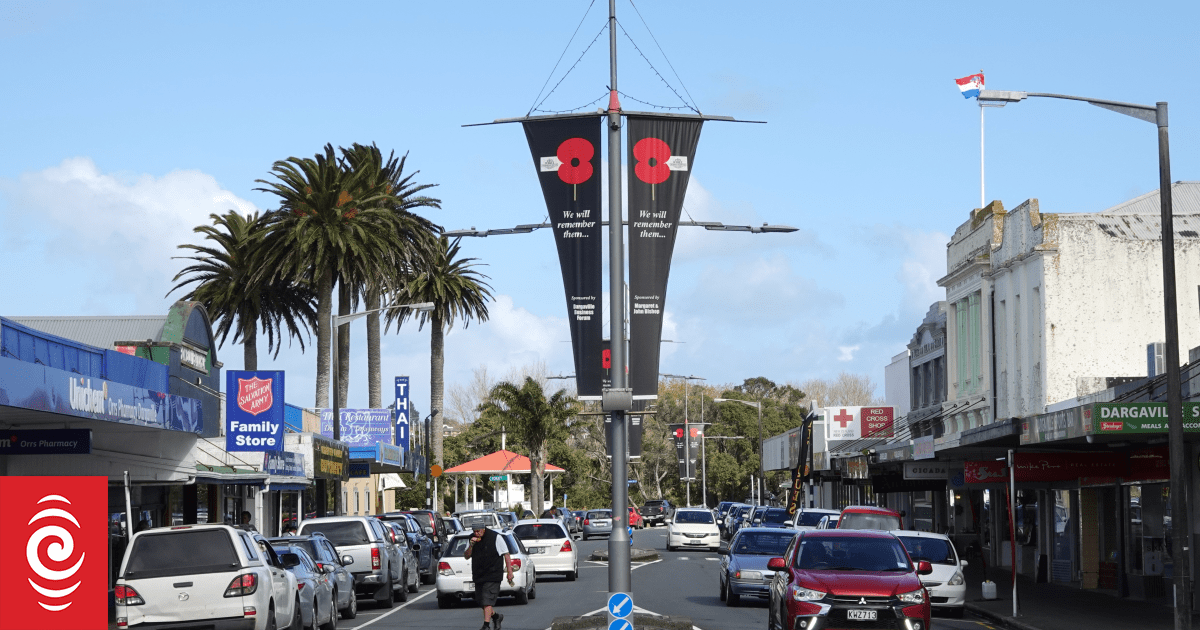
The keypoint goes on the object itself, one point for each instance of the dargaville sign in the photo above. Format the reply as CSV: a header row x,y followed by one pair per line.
x,y
1145,417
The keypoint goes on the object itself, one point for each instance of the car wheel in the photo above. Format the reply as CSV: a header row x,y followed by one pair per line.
x,y
444,602
957,613
585,536
297,617
731,599
428,579
333,616
721,587
351,609
522,596
573,574
402,592
384,596
416,585
271,625
532,587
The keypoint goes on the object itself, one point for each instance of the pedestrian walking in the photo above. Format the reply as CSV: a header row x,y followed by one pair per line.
x,y
490,560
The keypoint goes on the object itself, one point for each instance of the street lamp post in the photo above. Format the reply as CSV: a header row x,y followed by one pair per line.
x,y
687,434
1157,115
756,405
338,321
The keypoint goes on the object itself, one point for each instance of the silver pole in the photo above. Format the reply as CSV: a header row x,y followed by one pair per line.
x,y
687,444
1012,507
981,196
129,511
619,580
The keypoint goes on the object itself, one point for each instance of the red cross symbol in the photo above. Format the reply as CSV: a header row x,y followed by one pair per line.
x,y
843,418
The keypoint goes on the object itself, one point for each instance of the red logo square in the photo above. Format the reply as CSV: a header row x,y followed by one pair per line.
x,y
54,539
254,395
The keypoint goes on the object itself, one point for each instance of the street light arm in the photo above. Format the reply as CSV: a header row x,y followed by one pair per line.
x,y
1150,114
338,320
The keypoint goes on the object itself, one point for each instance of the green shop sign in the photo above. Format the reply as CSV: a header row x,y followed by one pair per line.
x,y
1143,417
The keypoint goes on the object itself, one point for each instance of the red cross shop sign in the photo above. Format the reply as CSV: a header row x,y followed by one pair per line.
x,y
853,423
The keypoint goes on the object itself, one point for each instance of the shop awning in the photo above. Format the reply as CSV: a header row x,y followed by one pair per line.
x,y
381,458
499,463
229,475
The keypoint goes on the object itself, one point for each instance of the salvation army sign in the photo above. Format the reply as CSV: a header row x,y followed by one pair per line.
x,y
853,423
253,411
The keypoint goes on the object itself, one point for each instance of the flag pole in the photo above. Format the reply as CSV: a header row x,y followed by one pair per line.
x,y
981,195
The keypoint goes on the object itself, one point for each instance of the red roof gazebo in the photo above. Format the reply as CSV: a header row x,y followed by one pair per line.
x,y
502,462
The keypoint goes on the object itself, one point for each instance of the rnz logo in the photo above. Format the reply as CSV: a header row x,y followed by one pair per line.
x,y
58,527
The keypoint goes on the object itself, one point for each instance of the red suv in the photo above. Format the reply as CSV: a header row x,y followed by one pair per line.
x,y
869,517
847,579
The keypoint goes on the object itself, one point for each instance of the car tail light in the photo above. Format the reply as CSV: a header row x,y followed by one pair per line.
x,y
516,564
300,587
122,622
444,568
249,611
374,558
244,584
566,546
586,522
126,596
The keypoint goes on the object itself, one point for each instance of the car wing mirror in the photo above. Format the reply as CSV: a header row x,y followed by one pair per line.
x,y
924,568
347,560
962,563
776,564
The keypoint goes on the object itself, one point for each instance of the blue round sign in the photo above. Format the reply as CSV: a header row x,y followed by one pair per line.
x,y
620,605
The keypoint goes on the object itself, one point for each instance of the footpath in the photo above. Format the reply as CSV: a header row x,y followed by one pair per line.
x,y
1059,607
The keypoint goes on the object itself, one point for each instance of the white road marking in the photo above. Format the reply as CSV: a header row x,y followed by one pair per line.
x,y
683,558
709,559
397,609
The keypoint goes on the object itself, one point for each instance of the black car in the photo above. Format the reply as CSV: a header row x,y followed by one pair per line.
x,y
772,517
420,543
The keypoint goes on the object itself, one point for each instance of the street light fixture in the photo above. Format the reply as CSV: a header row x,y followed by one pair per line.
x,y
715,226
757,405
1157,115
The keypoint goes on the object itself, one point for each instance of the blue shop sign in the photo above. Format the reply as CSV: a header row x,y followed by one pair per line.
x,y
283,464
402,424
254,411
32,386
46,442
360,427
360,470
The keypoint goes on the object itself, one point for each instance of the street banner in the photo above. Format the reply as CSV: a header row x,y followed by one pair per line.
x,y
360,427
253,411
662,151
402,422
55,539
853,423
801,471
687,447
566,156
633,430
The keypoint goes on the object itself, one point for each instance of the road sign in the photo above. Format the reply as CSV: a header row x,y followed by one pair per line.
x,y
620,624
498,478
436,471
620,605
632,481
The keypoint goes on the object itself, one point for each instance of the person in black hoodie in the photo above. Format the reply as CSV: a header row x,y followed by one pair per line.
x,y
490,560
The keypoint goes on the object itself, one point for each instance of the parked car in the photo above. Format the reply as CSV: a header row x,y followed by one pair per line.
x,y
376,559
427,520
487,519
946,585
419,542
727,522
635,519
549,544
215,574
317,603
840,578
509,519
656,511
574,526
327,559
829,521
693,527
869,517
411,570
454,571
772,517
809,518
744,565
451,525
597,523
722,509
737,518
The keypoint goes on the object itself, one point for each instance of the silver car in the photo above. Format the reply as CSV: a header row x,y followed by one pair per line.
x,y
327,558
597,523
315,587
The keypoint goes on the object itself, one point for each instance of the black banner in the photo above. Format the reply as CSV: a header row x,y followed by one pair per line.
x,y
633,431
802,470
687,449
661,154
566,152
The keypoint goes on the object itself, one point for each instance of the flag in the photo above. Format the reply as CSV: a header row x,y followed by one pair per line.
x,y
971,85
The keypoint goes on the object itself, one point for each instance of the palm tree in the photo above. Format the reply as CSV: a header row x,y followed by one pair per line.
x,y
417,233
328,222
225,283
456,291
534,420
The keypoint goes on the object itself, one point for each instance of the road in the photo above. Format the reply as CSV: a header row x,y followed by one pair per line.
x,y
682,583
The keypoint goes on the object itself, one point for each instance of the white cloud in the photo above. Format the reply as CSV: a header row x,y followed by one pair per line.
x,y
847,352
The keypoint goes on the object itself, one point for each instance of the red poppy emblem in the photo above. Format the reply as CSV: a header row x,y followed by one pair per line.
x,y
254,395
606,359
576,157
679,433
652,155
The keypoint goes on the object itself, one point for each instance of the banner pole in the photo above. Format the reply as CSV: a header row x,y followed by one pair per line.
x,y
981,195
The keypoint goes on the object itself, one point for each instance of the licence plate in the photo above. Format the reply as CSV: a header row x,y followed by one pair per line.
x,y
861,615
693,542
533,550
470,586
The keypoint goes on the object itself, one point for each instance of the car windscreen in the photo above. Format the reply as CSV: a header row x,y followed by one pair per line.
x,y
457,547
933,550
340,533
599,514
182,553
861,520
810,519
693,517
851,554
539,531
761,543
776,516
472,521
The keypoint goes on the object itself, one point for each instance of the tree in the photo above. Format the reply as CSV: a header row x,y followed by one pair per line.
x,y
328,220
224,275
456,291
534,420
846,389
417,234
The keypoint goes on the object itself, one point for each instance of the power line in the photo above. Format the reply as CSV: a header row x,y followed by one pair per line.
x,y
573,109
652,104
564,53
564,76
664,53
656,72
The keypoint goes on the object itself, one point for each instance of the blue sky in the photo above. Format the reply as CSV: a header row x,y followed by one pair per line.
x,y
124,124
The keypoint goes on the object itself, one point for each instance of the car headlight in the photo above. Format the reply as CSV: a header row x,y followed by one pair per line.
x,y
957,580
915,597
802,594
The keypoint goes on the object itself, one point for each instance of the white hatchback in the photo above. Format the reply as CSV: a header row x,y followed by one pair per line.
x,y
550,546
946,585
692,527
454,572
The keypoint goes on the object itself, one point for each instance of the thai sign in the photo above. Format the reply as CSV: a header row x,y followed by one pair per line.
x,y
360,427
402,421
853,423
662,152
1143,417
254,411
565,152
